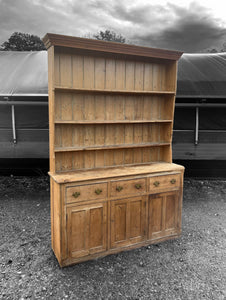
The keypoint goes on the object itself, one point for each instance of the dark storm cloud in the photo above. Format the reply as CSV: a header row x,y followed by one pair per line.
x,y
137,14
187,28
193,30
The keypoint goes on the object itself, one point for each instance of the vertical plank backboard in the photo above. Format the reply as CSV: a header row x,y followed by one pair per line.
x,y
138,108
120,74
110,78
148,77
88,69
129,75
65,70
99,72
77,71
119,107
99,107
139,76
66,135
57,106
66,106
89,107
78,107
109,108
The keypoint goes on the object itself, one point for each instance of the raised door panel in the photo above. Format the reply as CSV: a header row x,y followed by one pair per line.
x,y
163,214
127,221
86,229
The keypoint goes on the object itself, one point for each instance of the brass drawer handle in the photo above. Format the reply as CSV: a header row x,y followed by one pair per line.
x,y
119,188
76,194
156,183
138,186
173,181
98,191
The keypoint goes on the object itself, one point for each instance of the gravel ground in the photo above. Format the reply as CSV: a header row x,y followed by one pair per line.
x,y
192,267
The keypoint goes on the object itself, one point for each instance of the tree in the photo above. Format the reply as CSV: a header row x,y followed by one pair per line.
x,y
19,41
109,36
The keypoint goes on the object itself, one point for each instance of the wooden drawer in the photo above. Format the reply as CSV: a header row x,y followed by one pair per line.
x,y
86,192
127,187
157,183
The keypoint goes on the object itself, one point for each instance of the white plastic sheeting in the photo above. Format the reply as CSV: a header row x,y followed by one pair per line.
x,y
26,74
202,76
23,73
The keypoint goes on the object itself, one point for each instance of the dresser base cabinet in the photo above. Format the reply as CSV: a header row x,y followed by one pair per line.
x,y
94,214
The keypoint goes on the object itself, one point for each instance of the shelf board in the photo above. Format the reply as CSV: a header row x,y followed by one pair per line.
x,y
105,91
93,122
109,147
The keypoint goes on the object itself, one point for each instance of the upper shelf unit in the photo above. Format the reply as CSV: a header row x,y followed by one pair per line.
x,y
110,104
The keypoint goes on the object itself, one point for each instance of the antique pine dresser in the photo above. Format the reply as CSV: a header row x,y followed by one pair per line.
x,y
113,184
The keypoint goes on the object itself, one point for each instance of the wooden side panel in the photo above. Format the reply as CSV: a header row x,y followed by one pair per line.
x,y
171,76
52,76
56,215
52,211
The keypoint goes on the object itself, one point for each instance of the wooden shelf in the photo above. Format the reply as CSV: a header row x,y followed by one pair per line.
x,y
105,91
84,122
110,147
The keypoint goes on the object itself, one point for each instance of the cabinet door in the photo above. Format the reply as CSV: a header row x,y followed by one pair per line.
x,y
163,214
127,221
86,229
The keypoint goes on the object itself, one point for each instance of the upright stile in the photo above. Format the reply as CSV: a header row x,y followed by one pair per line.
x,y
113,184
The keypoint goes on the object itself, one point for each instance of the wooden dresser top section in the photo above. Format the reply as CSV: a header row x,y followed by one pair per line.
x,y
115,172
51,39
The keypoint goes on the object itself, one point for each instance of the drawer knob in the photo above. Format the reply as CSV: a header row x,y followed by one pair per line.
x,y
156,183
98,191
138,186
76,194
119,188
173,180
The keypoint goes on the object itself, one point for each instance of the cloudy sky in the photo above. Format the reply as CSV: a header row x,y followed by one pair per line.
x,y
189,26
